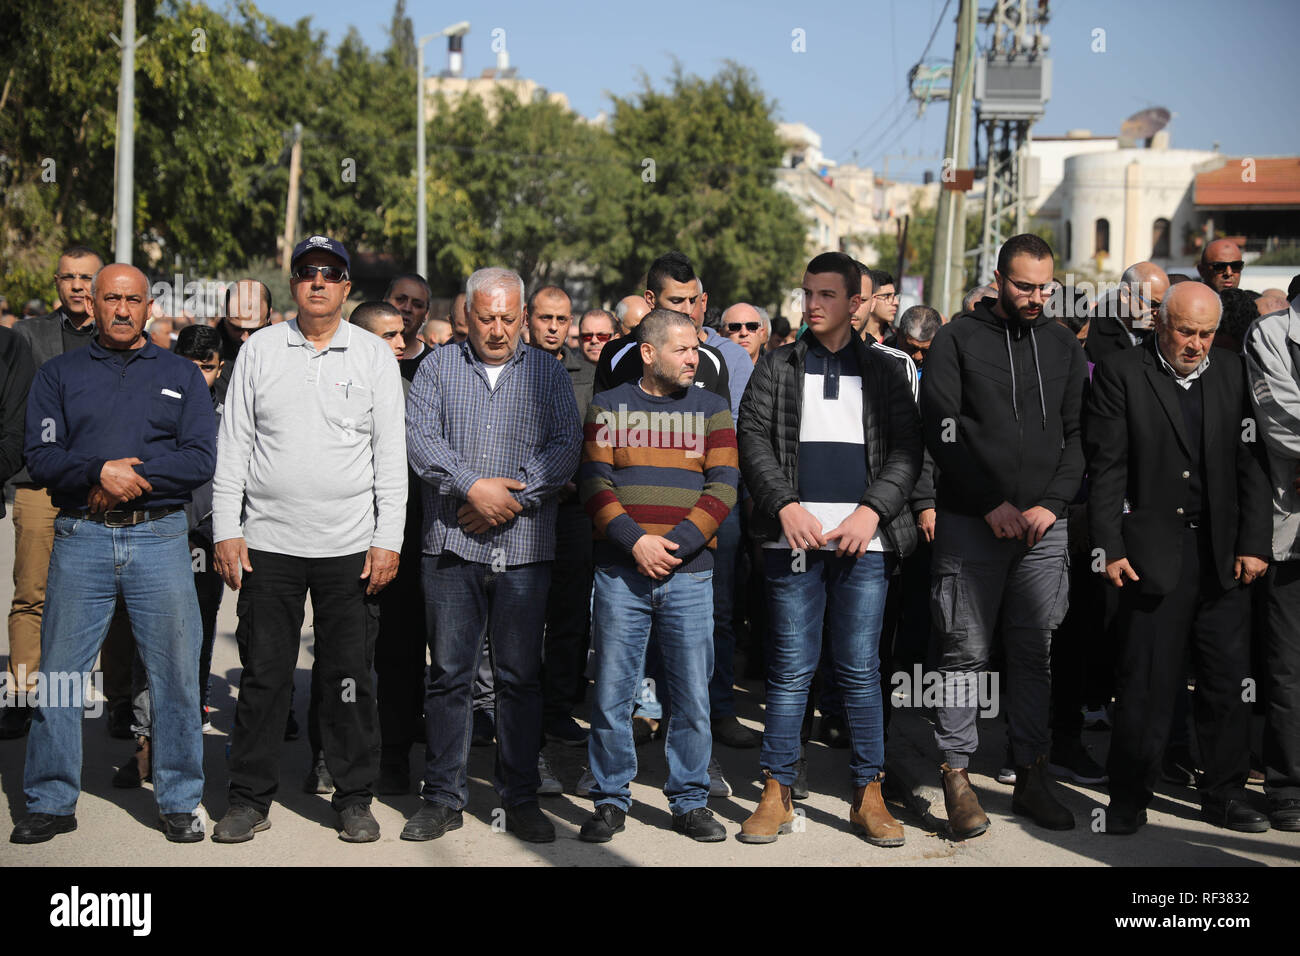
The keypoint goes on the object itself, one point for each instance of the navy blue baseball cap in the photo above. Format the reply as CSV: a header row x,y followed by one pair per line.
x,y
320,244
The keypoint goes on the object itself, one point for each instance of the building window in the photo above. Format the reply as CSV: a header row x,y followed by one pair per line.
x,y
1160,239
1102,239
1069,241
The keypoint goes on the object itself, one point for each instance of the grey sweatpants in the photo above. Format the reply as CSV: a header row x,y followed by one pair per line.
x,y
981,587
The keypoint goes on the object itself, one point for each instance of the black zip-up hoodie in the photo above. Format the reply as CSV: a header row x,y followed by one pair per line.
x,y
1000,406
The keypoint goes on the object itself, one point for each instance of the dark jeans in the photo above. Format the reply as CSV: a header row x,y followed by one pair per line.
x,y
461,596
1155,633
568,615
210,587
1282,720
399,661
346,620
722,697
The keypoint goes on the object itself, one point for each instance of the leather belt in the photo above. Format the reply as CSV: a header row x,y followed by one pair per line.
x,y
125,519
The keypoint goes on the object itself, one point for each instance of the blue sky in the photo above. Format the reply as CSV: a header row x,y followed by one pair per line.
x,y
1222,68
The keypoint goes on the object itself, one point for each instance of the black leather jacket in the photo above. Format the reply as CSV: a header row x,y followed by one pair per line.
x,y
769,439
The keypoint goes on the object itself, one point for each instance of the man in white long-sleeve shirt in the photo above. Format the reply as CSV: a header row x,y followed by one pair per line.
x,y
309,495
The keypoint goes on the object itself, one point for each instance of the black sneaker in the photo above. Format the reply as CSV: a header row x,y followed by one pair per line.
x,y
566,732
700,826
39,827
1073,761
182,827
1121,822
357,824
604,823
318,779
527,822
239,824
730,732
1284,815
432,821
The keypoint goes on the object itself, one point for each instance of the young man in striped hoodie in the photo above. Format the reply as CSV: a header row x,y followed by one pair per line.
x,y
658,477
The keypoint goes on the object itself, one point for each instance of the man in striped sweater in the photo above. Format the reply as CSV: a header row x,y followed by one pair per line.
x,y
658,477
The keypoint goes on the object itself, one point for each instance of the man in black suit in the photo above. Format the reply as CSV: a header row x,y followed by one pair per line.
x,y
1181,510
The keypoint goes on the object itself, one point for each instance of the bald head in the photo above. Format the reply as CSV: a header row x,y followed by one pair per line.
x,y
1271,301
746,326
1145,286
974,295
631,309
1220,265
120,304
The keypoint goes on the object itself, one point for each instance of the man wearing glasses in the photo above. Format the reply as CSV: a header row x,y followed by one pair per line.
x,y
875,317
748,327
1122,319
595,330
309,495
1000,403
68,327
1220,266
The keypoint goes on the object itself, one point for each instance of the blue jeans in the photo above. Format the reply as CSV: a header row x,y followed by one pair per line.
x,y
149,566
680,609
846,596
461,597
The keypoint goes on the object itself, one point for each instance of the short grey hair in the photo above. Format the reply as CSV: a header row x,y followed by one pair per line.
x,y
920,323
654,328
974,295
765,318
491,278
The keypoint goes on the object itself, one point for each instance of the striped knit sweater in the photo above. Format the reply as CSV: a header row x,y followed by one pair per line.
x,y
658,465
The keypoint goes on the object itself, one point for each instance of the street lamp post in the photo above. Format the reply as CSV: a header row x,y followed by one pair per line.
x,y
421,225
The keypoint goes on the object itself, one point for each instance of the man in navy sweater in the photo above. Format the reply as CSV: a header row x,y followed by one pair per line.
x,y
120,432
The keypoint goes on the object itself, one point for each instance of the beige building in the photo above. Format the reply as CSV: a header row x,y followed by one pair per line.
x,y
453,86
846,205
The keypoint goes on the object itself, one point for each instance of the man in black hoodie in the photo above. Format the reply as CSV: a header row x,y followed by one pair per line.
x,y
1000,402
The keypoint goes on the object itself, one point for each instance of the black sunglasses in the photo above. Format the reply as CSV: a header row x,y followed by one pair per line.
x,y
734,327
1222,267
328,273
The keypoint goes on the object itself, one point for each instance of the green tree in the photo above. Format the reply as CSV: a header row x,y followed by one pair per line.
x,y
699,159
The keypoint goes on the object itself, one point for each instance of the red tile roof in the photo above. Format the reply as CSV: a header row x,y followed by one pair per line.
x,y
1250,182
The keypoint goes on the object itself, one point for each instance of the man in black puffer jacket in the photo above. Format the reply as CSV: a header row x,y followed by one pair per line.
x,y
1001,400
830,447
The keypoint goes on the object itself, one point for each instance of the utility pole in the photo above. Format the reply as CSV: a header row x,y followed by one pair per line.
x,y
947,269
291,205
124,196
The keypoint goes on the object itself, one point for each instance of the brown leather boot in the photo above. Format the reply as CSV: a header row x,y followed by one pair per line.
x,y
773,816
136,770
966,818
871,819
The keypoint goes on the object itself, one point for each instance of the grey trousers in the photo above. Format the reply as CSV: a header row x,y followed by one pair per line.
x,y
981,587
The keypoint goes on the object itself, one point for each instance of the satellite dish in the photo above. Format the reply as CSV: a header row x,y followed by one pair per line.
x,y
1143,124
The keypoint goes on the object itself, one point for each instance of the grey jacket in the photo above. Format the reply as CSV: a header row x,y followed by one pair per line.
x,y
1273,363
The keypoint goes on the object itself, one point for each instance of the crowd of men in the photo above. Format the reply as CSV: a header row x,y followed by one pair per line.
x,y
499,510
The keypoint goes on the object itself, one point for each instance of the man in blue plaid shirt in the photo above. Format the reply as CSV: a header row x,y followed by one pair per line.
x,y
493,432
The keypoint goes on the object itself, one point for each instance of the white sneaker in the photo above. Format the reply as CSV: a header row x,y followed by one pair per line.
x,y
718,786
586,783
550,786
1007,775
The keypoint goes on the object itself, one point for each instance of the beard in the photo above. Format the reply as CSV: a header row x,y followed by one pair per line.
x,y
1019,312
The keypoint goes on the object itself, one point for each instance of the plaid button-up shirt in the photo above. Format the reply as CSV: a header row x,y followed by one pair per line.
x,y
460,428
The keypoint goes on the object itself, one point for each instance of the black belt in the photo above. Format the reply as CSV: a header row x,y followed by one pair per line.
x,y
126,519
